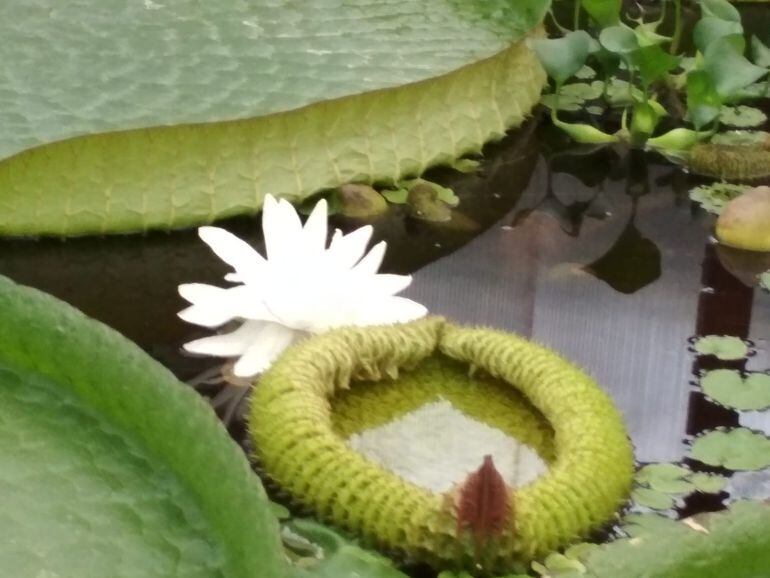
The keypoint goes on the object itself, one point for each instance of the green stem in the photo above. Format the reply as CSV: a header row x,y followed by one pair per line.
x,y
676,38
576,19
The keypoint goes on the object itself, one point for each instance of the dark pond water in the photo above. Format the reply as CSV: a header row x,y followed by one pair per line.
x,y
597,253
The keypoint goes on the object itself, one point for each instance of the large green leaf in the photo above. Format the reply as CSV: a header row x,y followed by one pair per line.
x,y
366,91
111,467
734,544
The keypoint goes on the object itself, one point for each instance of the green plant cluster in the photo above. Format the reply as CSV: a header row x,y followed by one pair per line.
x,y
643,74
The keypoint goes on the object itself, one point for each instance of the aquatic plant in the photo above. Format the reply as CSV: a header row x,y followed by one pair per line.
x,y
703,93
298,449
174,125
302,287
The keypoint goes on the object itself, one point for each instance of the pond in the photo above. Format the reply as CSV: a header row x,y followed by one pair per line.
x,y
594,251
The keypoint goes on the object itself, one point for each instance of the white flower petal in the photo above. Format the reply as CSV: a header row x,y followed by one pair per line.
x,y
270,343
371,262
206,316
200,292
214,306
388,284
390,310
314,232
281,227
241,256
347,250
229,344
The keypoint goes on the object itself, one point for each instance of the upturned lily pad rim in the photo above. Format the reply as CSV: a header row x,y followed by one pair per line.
x,y
115,378
290,423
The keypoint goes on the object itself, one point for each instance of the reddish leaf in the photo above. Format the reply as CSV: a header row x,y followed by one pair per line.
x,y
482,504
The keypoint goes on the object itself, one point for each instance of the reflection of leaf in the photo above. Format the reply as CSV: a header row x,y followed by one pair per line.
x,y
729,388
723,347
633,262
652,499
742,116
736,449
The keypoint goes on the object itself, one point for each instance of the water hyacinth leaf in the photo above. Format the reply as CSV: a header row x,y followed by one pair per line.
x,y
723,347
708,483
620,93
644,119
619,40
731,389
652,499
653,63
563,57
728,69
736,449
270,103
647,34
720,9
715,196
711,29
703,102
760,52
742,116
604,12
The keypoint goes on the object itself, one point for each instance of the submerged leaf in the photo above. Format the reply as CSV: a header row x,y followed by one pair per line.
x,y
736,449
731,389
723,347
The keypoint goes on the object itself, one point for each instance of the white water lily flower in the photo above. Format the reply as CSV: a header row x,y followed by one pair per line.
x,y
302,287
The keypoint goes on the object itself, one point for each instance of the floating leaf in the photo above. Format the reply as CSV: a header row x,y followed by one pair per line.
x,y
665,478
742,138
585,73
742,116
638,525
708,483
565,56
652,499
583,90
723,347
396,196
736,449
715,196
731,389
167,114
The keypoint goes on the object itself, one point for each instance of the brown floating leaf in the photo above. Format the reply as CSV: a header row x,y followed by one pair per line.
x,y
482,504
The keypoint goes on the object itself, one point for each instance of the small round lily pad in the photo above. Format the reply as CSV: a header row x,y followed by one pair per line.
x,y
708,483
742,116
723,347
666,478
653,499
736,449
731,389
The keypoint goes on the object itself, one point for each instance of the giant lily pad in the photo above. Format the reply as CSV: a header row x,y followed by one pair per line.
x,y
109,466
162,114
